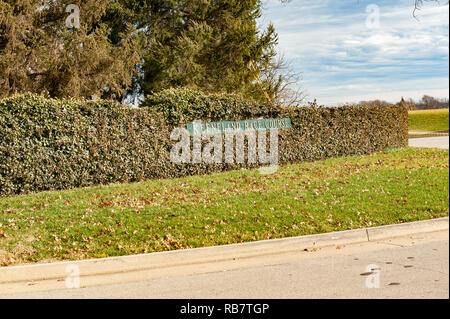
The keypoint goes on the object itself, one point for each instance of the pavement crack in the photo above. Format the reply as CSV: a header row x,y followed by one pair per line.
x,y
398,245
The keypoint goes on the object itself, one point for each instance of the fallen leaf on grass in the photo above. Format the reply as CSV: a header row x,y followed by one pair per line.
x,y
169,241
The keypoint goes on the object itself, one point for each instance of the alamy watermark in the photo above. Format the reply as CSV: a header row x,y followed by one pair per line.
x,y
73,20
204,143
373,17
373,279
73,277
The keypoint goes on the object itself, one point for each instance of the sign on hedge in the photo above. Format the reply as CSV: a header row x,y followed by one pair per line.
x,y
212,133
227,127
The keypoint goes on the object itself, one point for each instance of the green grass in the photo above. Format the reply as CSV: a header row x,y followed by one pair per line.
x,y
429,121
395,186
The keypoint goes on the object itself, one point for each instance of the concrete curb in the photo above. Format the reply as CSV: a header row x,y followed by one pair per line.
x,y
40,277
413,135
427,135
390,231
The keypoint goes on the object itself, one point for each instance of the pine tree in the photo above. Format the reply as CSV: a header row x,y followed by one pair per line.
x,y
40,54
133,47
209,45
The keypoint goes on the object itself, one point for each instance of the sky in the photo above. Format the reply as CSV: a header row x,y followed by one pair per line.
x,y
354,50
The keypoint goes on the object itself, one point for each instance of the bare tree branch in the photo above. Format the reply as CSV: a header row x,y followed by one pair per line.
x,y
419,3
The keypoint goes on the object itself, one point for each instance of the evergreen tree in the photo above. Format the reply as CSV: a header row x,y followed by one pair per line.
x,y
126,47
40,54
209,45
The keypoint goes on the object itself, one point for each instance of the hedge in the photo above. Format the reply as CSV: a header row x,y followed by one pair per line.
x,y
61,144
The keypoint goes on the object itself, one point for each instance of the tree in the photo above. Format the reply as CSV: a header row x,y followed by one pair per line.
x,y
212,46
40,54
419,3
377,102
282,83
429,102
136,47
409,104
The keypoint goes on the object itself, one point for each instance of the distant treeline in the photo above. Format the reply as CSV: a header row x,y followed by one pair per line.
x,y
426,103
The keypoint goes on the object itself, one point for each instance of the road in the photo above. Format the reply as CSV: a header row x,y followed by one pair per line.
x,y
430,142
414,266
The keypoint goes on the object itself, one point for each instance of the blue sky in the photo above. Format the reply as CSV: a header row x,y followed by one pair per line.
x,y
346,54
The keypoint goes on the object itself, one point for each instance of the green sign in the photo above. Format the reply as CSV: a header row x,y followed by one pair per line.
x,y
231,127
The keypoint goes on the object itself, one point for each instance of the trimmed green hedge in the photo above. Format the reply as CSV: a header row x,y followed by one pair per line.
x,y
182,106
61,144
49,144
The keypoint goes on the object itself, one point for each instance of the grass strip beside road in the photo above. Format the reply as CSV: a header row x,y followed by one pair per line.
x,y
394,186
429,121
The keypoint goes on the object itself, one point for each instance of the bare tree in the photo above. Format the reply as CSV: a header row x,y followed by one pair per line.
x,y
419,3
285,83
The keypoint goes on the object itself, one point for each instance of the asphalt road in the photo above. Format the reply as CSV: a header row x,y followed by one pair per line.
x,y
405,267
430,142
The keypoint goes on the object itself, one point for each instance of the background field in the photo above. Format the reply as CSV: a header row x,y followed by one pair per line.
x,y
388,187
429,121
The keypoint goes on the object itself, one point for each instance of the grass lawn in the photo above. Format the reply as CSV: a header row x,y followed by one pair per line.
x,y
429,121
395,186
